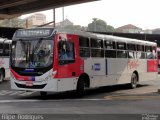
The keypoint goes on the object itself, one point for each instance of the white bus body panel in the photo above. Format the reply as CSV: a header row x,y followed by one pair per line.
x,y
4,64
67,84
114,71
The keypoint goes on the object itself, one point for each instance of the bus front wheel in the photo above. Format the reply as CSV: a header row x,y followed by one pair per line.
x,y
134,80
1,76
80,87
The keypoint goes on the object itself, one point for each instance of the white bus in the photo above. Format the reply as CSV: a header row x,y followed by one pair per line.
x,y
4,58
51,60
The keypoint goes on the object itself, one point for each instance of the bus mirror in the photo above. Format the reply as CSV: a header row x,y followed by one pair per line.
x,y
51,55
13,46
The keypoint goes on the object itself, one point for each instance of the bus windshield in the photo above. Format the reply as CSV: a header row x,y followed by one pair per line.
x,y
32,53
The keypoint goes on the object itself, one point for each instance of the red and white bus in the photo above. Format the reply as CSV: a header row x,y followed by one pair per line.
x,y
4,58
52,60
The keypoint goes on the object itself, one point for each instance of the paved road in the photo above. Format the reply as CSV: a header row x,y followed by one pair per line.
x,y
116,102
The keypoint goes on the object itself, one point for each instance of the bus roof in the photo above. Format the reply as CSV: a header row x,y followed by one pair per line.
x,y
87,34
2,40
106,37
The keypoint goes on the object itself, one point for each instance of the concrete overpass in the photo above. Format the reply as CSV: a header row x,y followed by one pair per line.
x,y
14,8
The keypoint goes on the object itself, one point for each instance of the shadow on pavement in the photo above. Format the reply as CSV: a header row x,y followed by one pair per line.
x,y
90,93
5,85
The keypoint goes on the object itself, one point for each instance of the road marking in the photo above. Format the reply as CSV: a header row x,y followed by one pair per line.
x,y
12,93
131,97
115,97
17,101
59,100
4,92
26,93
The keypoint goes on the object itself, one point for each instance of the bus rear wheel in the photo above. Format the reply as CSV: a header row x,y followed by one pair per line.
x,y
1,76
134,80
80,87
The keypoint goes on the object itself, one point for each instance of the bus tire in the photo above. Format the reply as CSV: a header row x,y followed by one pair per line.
x,y
1,76
134,80
80,87
43,94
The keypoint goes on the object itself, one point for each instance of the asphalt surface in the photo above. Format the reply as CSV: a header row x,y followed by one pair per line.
x,y
113,102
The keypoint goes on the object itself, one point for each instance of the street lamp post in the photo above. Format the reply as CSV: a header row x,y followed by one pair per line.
x,y
63,16
54,19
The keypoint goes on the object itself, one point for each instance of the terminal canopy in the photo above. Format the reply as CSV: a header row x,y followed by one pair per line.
x,y
14,8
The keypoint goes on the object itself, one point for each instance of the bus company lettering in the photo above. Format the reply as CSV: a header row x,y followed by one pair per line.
x,y
133,64
1,62
97,67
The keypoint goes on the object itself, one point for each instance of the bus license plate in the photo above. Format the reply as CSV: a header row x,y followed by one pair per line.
x,y
29,83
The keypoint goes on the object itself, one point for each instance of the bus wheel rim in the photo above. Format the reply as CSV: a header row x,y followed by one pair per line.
x,y
134,80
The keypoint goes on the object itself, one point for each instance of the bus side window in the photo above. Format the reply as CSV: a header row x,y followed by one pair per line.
x,y
158,53
6,50
66,52
121,50
154,52
149,51
96,43
84,49
97,48
121,46
140,52
110,51
1,49
131,50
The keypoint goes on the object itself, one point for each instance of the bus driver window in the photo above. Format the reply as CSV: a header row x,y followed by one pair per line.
x,y
65,52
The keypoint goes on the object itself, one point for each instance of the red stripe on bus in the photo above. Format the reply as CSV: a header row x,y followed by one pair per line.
x,y
19,77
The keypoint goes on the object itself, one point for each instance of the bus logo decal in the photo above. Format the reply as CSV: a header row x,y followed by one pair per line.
x,y
133,64
97,67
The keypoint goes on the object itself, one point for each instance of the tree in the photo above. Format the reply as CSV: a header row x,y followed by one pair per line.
x,y
110,28
100,26
75,27
14,22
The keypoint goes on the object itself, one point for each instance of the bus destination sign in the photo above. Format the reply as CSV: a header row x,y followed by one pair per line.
x,y
45,32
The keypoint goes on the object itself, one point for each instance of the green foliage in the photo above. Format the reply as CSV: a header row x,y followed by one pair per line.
x,y
14,22
110,28
99,25
75,27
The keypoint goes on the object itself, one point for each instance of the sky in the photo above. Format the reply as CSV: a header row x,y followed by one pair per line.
x,y
141,13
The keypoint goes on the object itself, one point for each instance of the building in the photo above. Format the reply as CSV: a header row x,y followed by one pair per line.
x,y
129,29
35,20
147,31
156,31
